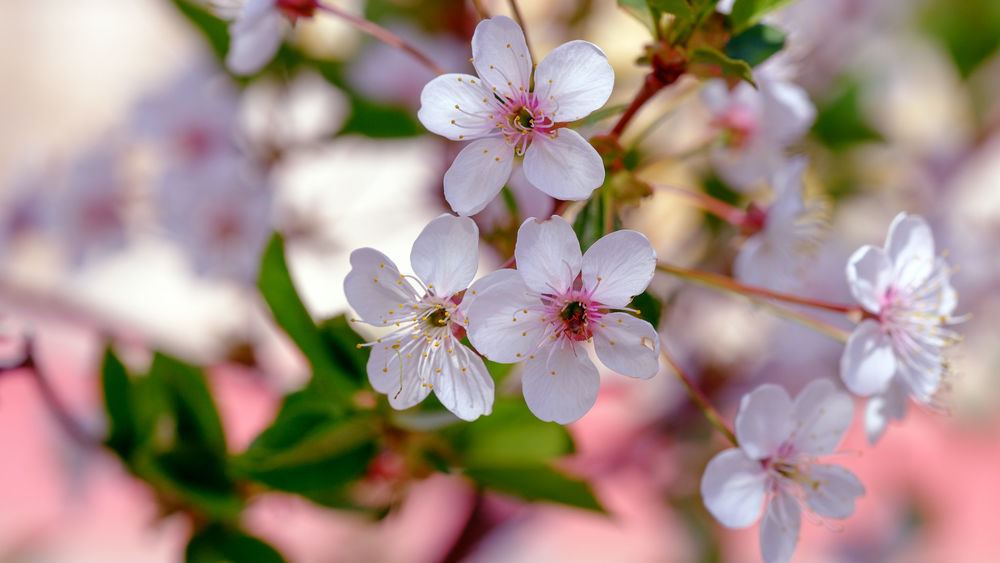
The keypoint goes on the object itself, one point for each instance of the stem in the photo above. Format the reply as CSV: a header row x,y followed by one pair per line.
x,y
650,86
382,34
761,296
698,397
520,21
480,9
715,206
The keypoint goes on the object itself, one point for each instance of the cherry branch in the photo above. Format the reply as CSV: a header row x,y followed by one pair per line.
x,y
698,396
728,213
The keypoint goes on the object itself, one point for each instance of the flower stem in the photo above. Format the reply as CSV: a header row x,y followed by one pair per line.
x,y
698,397
726,212
650,86
520,21
382,34
763,297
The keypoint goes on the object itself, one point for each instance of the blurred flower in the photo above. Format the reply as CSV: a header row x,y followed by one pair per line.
x,y
423,352
896,351
504,117
758,125
555,301
775,462
258,29
23,206
791,232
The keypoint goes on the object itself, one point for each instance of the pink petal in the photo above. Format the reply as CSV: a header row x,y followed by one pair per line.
x,y
561,387
575,78
823,414
868,362
779,532
627,345
564,165
733,488
464,386
499,327
547,254
869,274
375,289
457,106
478,174
764,421
501,56
446,254
910,247
618,267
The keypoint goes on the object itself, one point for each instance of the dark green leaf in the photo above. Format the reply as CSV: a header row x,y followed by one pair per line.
x,y
117,387
748,12
639,9
214,29
649,308
512,435
840,121
197,420
536,482
969,30
756,44
343,345
219,544
380,121
589,223
722,64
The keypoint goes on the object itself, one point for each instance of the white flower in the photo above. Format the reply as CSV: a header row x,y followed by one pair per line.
x,y
775,462
258,30
897,350
791,232
424,351
504,115
758,125
556,301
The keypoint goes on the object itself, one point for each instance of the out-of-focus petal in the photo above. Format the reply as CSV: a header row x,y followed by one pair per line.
x,y
880,409
764,420
779,532
822,414
833,491
254,39
868,362
733,488
910,247
869,274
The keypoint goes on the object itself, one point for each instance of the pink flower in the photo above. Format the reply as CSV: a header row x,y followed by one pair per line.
x,y
897,350
775,463
557,301
503,116
258,30
424,351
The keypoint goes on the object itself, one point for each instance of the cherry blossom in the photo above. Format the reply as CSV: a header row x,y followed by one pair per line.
x,y
896,351
258,29
512,109
775,463
558,300
791,231
423,352
758,125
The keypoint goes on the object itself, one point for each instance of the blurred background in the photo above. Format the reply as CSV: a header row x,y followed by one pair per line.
x,y
140,183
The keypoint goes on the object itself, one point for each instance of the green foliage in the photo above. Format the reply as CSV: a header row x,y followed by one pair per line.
x,y
968,29
512,435
840,121
748,12
720,64
756,44
380,121
216,31
221,544
344,347
122,438
536,482
649,308
589,222
640,10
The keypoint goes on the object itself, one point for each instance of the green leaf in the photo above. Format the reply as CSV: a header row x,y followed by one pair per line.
x,y
343,343
511,435
840,121
536,482
220,544
589,222
968,29
640,10
602,114
756,44
197,420
380,121
721,64
745,13
649,308
215,30
117,387
278,289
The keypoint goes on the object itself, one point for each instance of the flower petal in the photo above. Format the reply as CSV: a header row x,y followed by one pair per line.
x,y
446,254
779,532
478,174
547,254
822,414
910,247
463,386
733,488
869,274
254,39
833,491
788,111
563,165
761,262
618,267
628,345
764,420
501,55
880,409
457,106
396,370
561,387
375,289
575,78
868,362
499,327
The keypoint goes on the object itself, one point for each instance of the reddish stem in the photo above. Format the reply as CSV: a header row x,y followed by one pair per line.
x,y
728,213
650,86
699,397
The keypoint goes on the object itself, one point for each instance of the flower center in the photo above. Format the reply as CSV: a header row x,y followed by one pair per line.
x,y
438,317
523,118
576,324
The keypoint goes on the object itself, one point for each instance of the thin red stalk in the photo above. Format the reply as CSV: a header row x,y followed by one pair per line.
x,y
698,396
717,207
650,86
382,34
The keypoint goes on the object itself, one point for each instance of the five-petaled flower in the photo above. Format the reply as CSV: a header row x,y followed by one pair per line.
x,y
897,350
556,301
424,351
258,30
775,462
504,115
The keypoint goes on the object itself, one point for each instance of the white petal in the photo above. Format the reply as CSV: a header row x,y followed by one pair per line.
x,y
489,280
498,326
787,181
869,274
618,267
628,345
375,289
547,254
733,488
788,111
880,409
395,368
464,386
868,362
761,262
920,372
910,247
832,491
779,532
564,166
764,420
501,56
253,41
457,106
575,79
446,254
561,387
744,167
822,414
478,174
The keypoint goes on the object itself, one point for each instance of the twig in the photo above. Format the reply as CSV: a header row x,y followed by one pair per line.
x,y
697,396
